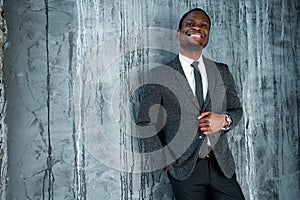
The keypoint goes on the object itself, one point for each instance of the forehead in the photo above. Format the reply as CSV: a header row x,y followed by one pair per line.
x,y
196,15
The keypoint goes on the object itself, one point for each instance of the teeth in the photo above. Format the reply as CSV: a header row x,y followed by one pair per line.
x,y
196,35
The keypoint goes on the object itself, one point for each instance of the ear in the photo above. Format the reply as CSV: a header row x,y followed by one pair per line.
x,y
178,34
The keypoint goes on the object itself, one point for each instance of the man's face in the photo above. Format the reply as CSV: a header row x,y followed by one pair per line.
x,y
194,32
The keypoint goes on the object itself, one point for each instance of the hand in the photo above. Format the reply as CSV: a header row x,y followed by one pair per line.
x,y
210,122
166,170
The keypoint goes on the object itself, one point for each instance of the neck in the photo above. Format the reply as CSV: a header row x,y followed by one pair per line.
x,y
191,53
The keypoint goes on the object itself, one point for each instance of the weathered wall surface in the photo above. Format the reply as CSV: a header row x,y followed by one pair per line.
x,y
64,60
2,41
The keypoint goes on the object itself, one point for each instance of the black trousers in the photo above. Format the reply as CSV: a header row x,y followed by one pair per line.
x,y
207,182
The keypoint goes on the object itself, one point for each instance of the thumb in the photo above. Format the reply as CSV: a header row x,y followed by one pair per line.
x,y
204,114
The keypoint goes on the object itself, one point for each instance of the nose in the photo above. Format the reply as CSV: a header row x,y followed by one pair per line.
x,y
197,27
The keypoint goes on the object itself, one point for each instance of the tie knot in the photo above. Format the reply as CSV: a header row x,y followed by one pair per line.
x,y
195,65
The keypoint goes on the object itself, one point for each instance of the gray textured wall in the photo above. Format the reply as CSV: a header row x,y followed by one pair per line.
x,y
2,41
63,54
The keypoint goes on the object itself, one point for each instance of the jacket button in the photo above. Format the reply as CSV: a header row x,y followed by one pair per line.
x,y
200,137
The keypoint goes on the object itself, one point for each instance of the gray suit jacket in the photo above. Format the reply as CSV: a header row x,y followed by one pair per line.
x,y
175,121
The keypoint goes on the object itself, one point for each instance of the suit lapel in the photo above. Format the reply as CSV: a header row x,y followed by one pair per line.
x,y
209,67
216,88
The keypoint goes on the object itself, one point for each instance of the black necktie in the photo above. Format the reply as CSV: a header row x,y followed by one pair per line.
x,y
198,83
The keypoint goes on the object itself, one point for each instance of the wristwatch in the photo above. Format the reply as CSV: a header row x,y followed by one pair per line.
x,y
229,122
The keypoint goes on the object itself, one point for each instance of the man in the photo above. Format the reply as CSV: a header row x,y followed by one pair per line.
x,y
207,106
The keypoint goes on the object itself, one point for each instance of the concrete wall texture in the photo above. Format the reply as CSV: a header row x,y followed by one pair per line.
x,y
2,41
65,59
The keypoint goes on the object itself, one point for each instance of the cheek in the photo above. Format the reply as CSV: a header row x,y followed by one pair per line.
x,y
184,30
180,34
207,36
207,33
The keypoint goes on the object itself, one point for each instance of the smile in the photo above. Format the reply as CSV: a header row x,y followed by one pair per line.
x,y
196,35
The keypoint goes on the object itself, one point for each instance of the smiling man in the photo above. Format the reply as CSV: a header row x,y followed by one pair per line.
x,y
200,114
209,176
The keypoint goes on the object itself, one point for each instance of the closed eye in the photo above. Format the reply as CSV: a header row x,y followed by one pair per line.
x,y
204,25
190,24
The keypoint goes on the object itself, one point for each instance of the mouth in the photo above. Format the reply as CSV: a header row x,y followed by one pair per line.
x,y
196,35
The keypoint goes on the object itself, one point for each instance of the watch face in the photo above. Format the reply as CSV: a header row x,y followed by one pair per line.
x,y
228,119
229,122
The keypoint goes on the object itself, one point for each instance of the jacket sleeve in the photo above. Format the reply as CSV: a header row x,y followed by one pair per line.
x,y
147,115
233,104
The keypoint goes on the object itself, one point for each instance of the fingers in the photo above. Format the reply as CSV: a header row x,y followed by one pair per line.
x,y
205,125
206,129
205,119
205,122
204,114
210,122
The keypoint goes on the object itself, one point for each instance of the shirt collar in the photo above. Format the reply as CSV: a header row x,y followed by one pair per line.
x,y
188,61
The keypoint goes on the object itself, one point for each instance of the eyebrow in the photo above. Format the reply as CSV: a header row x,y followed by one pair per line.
x,y
192,20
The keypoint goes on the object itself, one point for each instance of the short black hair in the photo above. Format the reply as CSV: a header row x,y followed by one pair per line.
x,y
194,9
